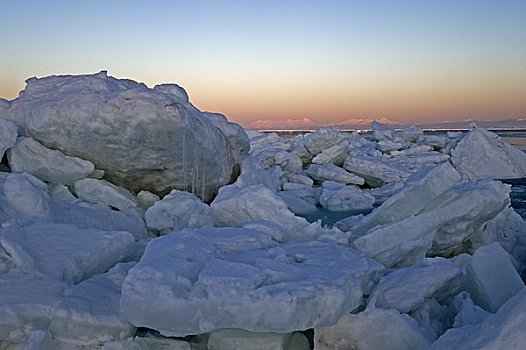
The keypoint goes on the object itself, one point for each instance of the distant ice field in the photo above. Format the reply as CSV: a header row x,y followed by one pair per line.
x,y
516,138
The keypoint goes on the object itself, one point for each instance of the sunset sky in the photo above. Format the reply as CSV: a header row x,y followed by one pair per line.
x,y
411,61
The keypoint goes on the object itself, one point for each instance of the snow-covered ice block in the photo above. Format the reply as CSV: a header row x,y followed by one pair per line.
x,y
163,142
435,141
417,161
375,171
103,192
296,204
331,172
323,138
483,154
147,343
187,283
8,134
28,155
382,131
491,277
259,141
387,146
408,288
61,193
464,209
468,313
146,199
235,207
411,133
24,196
336,154
64,252
373,329
504,330
229,339
338,197
178,210
411,150
27,300
446,222
419,190
89,312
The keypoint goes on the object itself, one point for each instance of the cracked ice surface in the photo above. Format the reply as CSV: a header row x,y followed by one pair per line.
x,y
197,281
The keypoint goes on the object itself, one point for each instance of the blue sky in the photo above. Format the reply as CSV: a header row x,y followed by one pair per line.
x,y
324,60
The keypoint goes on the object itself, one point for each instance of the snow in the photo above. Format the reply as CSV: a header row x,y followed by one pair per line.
x,y
28,155
71,254
183,279
102,167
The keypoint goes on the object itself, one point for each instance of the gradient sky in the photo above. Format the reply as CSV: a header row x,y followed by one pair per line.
x,y
412,61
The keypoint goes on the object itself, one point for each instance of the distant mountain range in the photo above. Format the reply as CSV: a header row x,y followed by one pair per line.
x,y
365,123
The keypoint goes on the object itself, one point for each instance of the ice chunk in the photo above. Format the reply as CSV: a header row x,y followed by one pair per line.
x,y
24,196
229,339
408,288
186,283
447,222
89,312
420,189
28,300
28,155
178,210
468,313
335,154
411,133
373,329
8,134
103,192
148,343
163,141
436,141
71,254
504,330
382,131
482,154
411,150
331,172
388,146
146,199
337,197
491,278
464,209
323,138
254,203
296,204
375,171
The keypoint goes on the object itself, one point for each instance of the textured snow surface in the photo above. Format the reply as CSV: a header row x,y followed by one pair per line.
x,y
196,281
239,339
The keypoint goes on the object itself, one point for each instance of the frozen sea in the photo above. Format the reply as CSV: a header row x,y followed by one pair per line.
x,y
514,137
